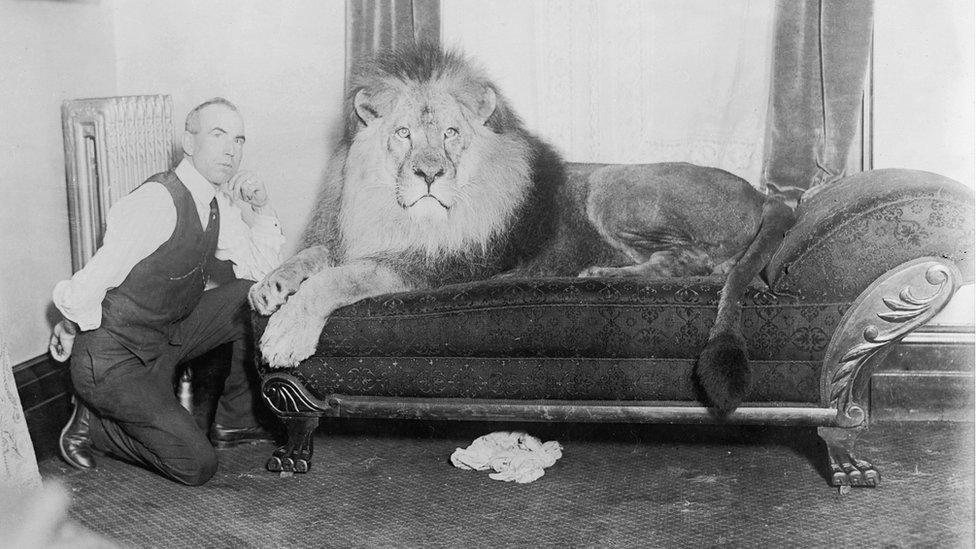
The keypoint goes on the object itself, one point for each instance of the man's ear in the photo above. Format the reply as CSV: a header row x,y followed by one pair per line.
x,y
365,106
189,145
486,104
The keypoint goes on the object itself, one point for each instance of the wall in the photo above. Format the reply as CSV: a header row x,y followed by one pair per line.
x,y
924,90
49,52
924,87
282,66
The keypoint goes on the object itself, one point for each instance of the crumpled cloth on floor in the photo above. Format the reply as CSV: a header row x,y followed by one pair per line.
x,y
513,455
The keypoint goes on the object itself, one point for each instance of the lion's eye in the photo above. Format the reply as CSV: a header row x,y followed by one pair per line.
x,y
402,133
450,132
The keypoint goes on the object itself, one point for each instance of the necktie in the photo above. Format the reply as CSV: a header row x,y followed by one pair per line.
x,y
214,214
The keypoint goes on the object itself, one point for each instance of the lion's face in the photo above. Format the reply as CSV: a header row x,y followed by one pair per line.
x,y
426,133
424,172
426,138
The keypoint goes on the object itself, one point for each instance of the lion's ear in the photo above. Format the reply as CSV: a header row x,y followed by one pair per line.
x,y
486,104
365,107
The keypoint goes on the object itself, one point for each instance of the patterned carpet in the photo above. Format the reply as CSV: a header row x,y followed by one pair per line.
x,y
390,484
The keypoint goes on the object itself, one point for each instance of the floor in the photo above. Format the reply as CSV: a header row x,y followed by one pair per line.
x,y
390,484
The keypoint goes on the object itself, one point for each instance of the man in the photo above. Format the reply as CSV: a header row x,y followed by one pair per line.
x,y
138,308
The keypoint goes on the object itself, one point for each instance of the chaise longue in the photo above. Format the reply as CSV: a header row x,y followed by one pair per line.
x,y
871,258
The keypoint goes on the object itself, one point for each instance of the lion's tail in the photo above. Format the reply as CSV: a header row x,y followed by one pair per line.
x,y
723,366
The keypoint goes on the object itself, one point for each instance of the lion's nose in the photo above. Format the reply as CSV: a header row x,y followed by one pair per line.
x,y
428,173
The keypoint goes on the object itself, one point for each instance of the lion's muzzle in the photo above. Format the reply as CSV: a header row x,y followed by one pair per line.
x,y
428,174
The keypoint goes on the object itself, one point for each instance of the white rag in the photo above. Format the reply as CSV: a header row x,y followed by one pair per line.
x,y
513,455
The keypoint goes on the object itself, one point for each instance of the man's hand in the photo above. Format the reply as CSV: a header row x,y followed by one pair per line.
x,y
62,340
246,187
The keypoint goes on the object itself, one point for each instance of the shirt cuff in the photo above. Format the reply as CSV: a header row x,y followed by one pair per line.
x,y
87,318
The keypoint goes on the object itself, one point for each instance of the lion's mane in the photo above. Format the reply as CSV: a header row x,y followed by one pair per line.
x,y
507,180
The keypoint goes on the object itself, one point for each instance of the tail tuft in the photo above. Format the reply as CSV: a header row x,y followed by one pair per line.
x,y
723,371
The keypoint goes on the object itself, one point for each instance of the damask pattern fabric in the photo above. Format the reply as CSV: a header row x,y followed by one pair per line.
x,y
568,379
574,318
563,338
852,231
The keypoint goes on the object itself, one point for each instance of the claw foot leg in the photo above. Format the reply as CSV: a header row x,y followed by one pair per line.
x,y
295,456
846,469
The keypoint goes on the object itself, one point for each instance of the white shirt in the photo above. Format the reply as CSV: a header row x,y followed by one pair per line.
x,y
143,220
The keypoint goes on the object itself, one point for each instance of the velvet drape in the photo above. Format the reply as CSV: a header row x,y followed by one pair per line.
x,y
374,26
820,62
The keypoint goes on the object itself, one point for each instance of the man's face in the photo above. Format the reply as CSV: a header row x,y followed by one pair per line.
x,y
216,149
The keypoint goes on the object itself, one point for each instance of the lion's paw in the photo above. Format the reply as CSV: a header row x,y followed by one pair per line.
x,y
291,336
271,293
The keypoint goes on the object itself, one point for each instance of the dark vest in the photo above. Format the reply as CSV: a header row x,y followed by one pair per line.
x,y
163,288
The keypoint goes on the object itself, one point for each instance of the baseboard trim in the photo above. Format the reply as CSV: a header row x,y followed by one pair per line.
x,y
948,335
922,396
928,376
44,386
31,363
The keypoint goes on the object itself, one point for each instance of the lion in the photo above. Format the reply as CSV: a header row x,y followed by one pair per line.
x,y
436,180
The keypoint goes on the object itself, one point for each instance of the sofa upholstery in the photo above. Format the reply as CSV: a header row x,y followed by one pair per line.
x,y
565,338
850,232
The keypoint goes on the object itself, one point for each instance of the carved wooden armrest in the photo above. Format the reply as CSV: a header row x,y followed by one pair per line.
x,y
893,306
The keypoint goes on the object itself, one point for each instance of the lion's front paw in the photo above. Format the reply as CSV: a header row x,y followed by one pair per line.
x,y
291,335
272,292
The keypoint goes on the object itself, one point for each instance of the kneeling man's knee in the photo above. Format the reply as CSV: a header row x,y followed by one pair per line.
x,y
198,468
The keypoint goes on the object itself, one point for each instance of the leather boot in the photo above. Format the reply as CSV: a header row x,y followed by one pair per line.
x,y
75,442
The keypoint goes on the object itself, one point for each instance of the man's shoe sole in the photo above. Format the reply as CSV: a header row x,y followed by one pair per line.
x,y
225,444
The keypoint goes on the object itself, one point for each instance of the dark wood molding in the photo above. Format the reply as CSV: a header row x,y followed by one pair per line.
x,y
927,378
921,395
931,355
945,334
44,386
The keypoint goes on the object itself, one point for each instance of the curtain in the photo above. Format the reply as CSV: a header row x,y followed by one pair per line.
x,y
18,466
375,26
630,81
821,54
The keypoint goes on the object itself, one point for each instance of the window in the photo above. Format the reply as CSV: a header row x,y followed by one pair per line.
x,y
630,80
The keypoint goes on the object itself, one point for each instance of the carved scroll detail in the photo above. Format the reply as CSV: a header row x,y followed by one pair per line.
x,y
887,311
286,396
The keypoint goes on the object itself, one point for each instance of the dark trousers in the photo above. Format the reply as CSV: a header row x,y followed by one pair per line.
x,y
137,415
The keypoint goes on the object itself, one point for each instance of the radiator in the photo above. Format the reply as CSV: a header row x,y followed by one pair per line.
x,y
111,145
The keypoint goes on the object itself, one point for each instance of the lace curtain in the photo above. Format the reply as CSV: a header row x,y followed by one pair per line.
x,y
18,465
631,81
